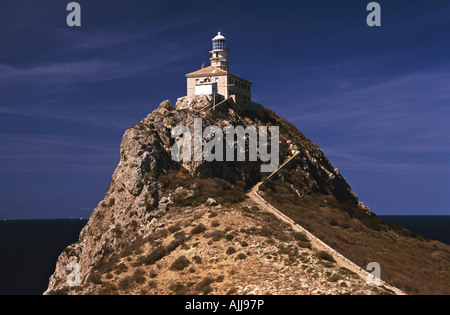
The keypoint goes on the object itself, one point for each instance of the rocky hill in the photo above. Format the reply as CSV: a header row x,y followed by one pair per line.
x,y
169,227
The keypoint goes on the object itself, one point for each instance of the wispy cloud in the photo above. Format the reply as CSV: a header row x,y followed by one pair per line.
x,y
84,117
55,72
410,105
93,70
395,124
25,153
351,161
392,99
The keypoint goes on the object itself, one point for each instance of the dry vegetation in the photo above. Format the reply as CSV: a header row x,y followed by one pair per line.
x,y
225,193
408,261
228,250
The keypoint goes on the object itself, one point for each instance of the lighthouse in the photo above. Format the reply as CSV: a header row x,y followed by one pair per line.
x,y
219,52
216,79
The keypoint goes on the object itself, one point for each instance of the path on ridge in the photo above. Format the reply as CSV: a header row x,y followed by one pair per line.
x,y
315,242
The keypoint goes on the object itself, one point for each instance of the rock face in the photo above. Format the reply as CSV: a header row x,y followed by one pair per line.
x,y
150,193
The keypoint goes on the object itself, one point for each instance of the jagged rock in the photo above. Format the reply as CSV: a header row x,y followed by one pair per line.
x,y
211,202
195,102
167,200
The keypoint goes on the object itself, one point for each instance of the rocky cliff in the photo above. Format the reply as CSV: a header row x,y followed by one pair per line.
x,y
167,227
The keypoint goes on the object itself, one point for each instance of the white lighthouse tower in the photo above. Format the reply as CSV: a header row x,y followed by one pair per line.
x,y
219,52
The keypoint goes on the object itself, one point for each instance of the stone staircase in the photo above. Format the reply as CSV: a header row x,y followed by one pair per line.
x,y
283,165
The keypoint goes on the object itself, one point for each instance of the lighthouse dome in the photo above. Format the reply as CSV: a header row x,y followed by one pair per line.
x,y
219,37
218,43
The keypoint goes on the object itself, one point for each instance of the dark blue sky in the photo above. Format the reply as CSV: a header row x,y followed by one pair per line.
x,y
376,100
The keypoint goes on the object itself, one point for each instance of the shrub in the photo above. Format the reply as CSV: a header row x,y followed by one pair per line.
x,y
156,255
69,251
95,278
197,259
231,250
241,256
120,269
326,264
192,270
138,276
334,277
117,232
282,236
111,202
216,235
125,283
325,256
104,266
174,228
198,229
344,271
229,237
232,291
180,263
180,236
304,244
265,231
173,245
213,214
300,236
134,225
179,289
108,289
204,286
246,209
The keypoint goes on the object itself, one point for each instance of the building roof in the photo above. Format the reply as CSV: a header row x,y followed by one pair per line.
x,y
212,71
208,71
219,37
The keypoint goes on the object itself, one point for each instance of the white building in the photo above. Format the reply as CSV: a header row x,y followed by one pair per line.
x,y
216,79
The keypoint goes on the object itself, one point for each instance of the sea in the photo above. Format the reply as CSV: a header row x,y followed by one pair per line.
x,y
435,227
29,249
